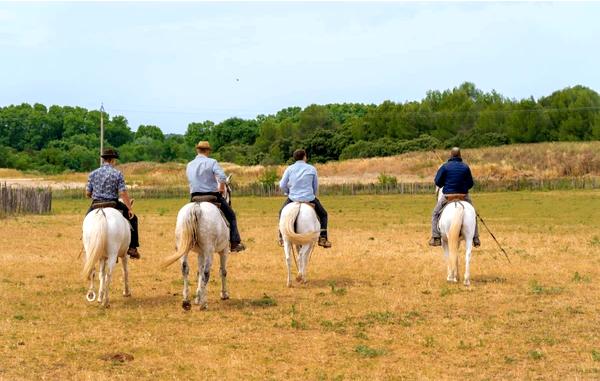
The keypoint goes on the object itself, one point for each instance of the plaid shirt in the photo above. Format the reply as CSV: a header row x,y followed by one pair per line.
x,y
105,183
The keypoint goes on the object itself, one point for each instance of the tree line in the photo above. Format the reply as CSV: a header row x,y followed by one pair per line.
x,y
58,138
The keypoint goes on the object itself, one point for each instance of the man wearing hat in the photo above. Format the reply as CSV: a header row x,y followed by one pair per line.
x,y
106,184
300,183
207,178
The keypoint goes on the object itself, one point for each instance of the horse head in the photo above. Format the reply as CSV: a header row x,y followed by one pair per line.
x,y
227,195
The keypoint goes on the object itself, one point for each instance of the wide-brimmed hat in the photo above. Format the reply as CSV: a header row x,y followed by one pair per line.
x,y
110,153
203,144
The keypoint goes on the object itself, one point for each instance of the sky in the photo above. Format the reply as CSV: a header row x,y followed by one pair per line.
x,y
169,64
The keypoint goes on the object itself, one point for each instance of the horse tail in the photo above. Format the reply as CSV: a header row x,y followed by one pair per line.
x,y
188,235
96,247
290,232
454,231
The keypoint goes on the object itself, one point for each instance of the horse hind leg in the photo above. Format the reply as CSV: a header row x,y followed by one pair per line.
x,y
101,279
126,290
468,248
204,264
287,248
110,265
223,271
91,295
450,273
185,271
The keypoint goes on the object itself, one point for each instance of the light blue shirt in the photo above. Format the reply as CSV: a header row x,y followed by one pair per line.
x,y
203,173
300,182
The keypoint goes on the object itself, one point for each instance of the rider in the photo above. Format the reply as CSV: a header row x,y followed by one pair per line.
x,y
300,183
455,177
207,178
106,184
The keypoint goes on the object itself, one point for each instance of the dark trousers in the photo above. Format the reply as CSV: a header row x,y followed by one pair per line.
x,y
135,240
234,234
321,212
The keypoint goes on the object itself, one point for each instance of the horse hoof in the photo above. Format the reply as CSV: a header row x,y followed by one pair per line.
x,y
186,305
224,296
299,279
91,296
289,284
467,283
127,294
203,306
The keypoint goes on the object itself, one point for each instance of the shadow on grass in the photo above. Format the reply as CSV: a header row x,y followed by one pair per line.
x,y
485,279
326,283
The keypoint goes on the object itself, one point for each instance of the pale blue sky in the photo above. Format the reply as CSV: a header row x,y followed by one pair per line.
x,y
170,64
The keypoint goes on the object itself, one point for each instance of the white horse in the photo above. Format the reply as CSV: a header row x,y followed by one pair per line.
x,y
106,236
457,222
299,227
201,229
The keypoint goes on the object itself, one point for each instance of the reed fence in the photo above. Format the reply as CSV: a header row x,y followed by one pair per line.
x,y
23,200
261,190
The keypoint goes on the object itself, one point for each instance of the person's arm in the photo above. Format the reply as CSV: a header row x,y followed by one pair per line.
x,y
220,176
124,195
283,184
469,179
316,183
440,177
88,187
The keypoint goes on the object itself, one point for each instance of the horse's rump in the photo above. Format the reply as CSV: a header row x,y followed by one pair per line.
x,y
288,225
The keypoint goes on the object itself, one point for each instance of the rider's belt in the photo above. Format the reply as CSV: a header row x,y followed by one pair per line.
x,y
456,196
103,204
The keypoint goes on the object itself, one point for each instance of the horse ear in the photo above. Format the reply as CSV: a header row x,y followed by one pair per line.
x,y
229,178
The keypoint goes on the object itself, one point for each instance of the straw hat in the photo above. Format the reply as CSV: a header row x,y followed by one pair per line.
x,y
203,144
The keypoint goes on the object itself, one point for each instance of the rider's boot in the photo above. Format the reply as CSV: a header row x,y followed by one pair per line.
x,y
435,241
324,242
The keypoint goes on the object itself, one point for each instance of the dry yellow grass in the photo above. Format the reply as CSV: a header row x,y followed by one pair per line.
x,y
376,306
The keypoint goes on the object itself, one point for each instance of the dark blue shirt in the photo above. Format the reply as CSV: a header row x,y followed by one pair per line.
x,y
455,176
105,183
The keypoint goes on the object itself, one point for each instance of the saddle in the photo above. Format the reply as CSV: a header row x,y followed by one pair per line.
x,y
456,197
207,198
212,200
103,204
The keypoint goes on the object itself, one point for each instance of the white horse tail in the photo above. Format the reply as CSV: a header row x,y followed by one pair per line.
x,y
454,232
96,247
188,235
290,232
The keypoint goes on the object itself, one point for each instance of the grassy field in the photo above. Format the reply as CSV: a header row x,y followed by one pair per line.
x,y
376,306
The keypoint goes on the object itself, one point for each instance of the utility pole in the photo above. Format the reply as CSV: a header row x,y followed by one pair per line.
x,y
101,130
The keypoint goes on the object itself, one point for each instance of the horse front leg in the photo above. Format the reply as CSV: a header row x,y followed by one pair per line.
x,y
223,271
126,291
185,271
468,247
204,264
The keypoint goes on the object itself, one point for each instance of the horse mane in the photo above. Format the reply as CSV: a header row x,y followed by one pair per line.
x,y
97,246
290,231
